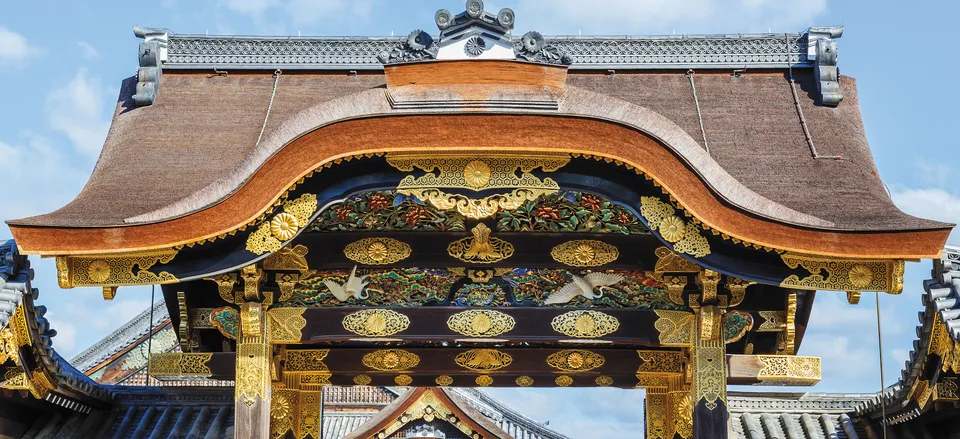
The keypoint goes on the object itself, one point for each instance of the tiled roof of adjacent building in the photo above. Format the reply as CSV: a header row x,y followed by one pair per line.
x,y
761,415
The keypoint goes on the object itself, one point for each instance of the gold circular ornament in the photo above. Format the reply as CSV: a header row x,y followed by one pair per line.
x,y
575,360
476,174
403,380
585,324
376,322
563,381
484,380
860,276
98,270
603,381
377,251
284,226
279,406
391,360
444,380
362,380
524,381
673,229
584,254
481,323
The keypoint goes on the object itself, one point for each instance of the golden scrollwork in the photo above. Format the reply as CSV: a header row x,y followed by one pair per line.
x,y
789,370
946,390
286,324
287,283
648,380
403,380
8,346
481,323
773,321
524,381
603,381
251,321
660,362
790,327
737,289
288,258
428,407
225,284
661,216
675,286
484,380
377,251
480,248
585,253
175,364
844,275
483,360
675,328
657,413
563,381
114,270
709,323
376,322
585,324
252,278
709,374
305,360
468,172
669,261
575,360
444,380
253,372
391,360
269,235
362,380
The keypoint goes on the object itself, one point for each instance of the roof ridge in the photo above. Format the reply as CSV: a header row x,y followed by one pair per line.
x,y
107,345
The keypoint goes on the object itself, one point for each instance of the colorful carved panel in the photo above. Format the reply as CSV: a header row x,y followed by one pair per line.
x,y
398,287
637,289
570,212
386,211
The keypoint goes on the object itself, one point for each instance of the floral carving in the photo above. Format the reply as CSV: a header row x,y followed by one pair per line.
x,y
736,325
570,212
386,211
284,226
476,174
98,270
397,287
418,46
638,289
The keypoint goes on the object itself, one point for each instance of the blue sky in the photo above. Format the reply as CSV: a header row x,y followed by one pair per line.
x,y
61,63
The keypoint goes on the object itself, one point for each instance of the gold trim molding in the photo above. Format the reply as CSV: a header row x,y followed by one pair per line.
x,y
844,275
670,362
789,370
114,270
585,253
377,251
585,324
481,323
376,322
178,364
675,328
391,360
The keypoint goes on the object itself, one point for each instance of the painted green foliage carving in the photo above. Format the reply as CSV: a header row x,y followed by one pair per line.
x,y
386,211
636,290
736,324
570,212
398,287
477,294
227,320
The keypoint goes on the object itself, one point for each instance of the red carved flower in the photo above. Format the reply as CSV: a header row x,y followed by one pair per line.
x,y
415,215
343,212
378,202
622,218
547,213
590,202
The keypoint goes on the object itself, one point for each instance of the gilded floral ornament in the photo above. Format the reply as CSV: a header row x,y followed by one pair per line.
x,y
403,380
585,324
844,275
391,360
269,235
662,217
476,174
286,324
362,380
603,381
376,322
575,360
98,270
789,370
483,360
377,251
481,248
444,380
114,270
860,276
481,323
563,381
675,327
585,253
524,381
484,380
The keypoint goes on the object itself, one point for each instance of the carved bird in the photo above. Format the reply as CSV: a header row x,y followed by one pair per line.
x,y
584,286
354,286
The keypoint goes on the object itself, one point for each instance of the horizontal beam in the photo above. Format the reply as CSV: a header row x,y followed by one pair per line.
x,y
773,370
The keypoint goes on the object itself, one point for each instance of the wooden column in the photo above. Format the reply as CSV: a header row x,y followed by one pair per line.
x,y
657,412
680,409
252,399
709,376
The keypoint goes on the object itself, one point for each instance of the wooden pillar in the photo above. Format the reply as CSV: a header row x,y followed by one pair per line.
x,y
709,376
657,414
680,409
252,400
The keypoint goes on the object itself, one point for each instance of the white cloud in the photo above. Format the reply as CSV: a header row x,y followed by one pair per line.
x,y
88,51
301,12
45,177
932,203
77,109
14,49
665,16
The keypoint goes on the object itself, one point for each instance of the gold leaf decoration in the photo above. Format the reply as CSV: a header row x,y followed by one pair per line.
x,y
675,328
403,380
661,216
484,380
377,251
789,370
444,380
481,323
391,360
844,275
483,360
284,226
376,322
524,381
603,381
480,248
476,174
176,364
860,276
585,253
575,360
362,380
98,270
672,228
114,270
563,381
585,324
286,324
269,235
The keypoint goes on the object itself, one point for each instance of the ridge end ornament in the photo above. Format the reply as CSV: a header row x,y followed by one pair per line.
x,y
481,248
481,323
585,324
377,251
585,253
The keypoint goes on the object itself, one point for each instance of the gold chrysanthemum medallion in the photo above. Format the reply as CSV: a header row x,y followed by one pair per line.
x,y
673,229
284,226
476,174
